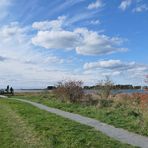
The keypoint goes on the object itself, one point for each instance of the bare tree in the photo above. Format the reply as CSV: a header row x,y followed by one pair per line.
x,y
104,88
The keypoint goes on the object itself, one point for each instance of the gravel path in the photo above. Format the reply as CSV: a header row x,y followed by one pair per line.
x,y
116,133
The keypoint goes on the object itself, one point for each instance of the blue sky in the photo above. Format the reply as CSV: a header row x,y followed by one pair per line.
x,y
43,41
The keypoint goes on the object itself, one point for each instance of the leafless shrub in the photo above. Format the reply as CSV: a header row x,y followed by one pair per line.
x,y
104,89
69,91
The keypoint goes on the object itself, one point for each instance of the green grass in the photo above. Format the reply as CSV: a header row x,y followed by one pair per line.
x,y
119,117
25,126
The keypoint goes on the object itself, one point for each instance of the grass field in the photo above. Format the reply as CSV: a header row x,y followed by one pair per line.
x,y
25,126
122,117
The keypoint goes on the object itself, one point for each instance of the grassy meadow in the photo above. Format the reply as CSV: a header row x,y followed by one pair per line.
x,y
123,112
25,126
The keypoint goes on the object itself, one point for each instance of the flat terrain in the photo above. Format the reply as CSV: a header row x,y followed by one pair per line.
x,y
120,116
23,125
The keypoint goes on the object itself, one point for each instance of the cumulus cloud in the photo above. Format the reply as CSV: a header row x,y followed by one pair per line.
x,y
82,40
93,43
125,4
117,67
56,39
95,5
141,8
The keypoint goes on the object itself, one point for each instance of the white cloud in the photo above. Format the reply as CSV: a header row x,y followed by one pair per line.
x,y
116,67
95,5
95,22
53,59
22,75
130,71
56,39
93,43
125,4
12,30
141,8
15,45
47,25
109,64
14,41
85,42
21,64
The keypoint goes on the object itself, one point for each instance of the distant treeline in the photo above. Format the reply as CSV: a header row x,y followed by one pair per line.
x,y
118,86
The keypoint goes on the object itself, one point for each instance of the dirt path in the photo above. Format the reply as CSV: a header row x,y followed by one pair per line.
x,y
116,133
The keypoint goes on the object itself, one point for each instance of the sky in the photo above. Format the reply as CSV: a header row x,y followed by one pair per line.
x,y
43,42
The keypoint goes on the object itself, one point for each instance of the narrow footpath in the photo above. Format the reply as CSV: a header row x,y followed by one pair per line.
x,y
116,133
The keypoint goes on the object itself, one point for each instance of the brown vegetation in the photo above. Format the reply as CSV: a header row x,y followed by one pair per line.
x,y
69,91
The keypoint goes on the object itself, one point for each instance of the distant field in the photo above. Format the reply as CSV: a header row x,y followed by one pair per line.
x,y
25,126
120,116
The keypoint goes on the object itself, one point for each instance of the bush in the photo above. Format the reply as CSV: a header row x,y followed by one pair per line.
x,y
69,91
